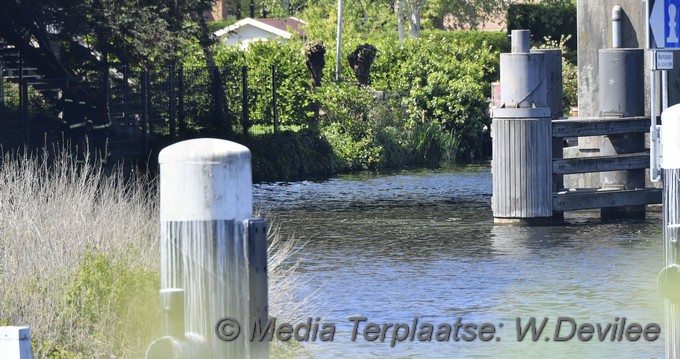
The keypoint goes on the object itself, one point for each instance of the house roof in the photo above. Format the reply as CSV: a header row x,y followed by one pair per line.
x,y
292,23
277,27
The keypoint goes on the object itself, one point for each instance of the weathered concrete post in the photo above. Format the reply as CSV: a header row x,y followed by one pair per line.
x,y
621,77
669,278
213,256
15,342
522,137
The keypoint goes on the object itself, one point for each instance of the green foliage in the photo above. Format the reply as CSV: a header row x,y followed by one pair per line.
x,y
351,121
464,14
293,96
288,156
432,145
221,24
551,19
104,288
440,80
363,20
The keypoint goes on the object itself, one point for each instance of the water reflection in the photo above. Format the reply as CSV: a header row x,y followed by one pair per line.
x,y
423,244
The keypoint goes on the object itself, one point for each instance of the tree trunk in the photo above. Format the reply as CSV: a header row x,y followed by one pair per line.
x,y
399,9
220,124
414,22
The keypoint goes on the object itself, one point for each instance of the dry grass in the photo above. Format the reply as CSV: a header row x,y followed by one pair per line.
x,y
79,258
52,213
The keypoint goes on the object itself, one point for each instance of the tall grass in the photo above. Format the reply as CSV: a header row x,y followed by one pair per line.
x,y
79,258
74,243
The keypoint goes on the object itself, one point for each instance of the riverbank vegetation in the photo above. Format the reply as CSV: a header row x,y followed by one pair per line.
x,y
79,259
410,93
417,101
425,102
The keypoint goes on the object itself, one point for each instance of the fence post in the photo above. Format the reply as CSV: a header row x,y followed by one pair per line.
x,y
245,119
145,110
171,109
125,93
211,251
274,108
24,112
182,120
15,342
2,84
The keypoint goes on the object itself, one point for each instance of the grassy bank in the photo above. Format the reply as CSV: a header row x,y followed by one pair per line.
x,y
79,258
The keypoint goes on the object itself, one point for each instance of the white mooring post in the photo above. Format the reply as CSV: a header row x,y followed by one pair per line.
x,y
15,342
669,278
213,255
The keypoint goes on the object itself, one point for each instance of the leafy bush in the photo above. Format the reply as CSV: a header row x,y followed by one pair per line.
x,y
439,80
288,156
432,145
291,75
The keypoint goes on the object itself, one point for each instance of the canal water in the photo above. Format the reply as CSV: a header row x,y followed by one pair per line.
x,y
422,244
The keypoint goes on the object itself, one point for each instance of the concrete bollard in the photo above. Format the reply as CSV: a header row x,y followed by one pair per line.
x,y
669,278
213,255
15,342
521,133
622,95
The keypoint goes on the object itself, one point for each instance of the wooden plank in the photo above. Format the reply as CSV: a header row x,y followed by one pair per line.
x,y
626,161
569,201
599,126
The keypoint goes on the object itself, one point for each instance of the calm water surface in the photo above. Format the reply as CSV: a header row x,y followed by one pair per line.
x,y
423,244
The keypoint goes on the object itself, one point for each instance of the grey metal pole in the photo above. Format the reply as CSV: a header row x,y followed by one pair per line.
x,y
616,26
654,145
275,111
664,90
338,47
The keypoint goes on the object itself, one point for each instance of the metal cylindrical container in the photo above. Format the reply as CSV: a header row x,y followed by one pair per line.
x,y
622,95
520,41
553,79
622,83
522,163
523,80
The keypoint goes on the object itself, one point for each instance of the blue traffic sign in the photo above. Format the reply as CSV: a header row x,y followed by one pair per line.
x,y
671,23
664,21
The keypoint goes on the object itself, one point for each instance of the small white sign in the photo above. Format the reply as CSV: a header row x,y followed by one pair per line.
x,y
664,60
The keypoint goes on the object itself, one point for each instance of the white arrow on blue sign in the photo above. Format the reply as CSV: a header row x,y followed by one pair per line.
x,y
665,23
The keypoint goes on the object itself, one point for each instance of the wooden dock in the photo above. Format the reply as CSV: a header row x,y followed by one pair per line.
x,y
591,198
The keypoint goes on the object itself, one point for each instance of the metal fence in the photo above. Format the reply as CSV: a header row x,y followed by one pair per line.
x,y
148,109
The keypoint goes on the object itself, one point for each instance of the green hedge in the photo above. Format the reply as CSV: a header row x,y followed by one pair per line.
x,y
289,156
545,19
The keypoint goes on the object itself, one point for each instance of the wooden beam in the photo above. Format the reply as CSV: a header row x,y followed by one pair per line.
x,y
628,161
596,126
570,201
